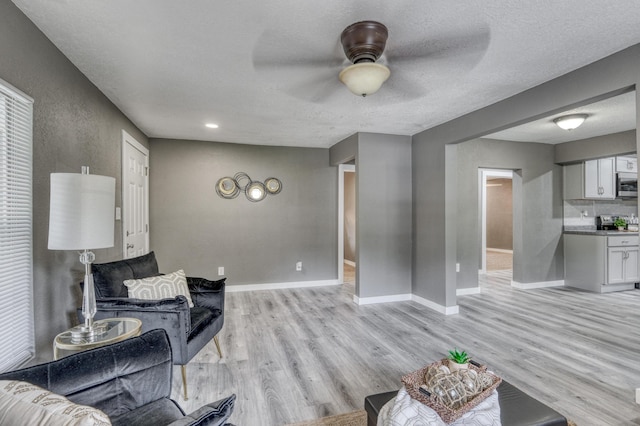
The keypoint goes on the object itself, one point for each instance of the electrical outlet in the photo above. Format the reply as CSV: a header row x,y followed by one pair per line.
x,y
220,270
457,267
298,266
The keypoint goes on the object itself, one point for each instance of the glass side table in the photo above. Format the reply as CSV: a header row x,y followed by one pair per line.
x,y
117,329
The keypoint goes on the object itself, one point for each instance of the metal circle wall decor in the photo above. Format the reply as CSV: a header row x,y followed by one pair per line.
x,y
229,187
273,185
255,191
242,180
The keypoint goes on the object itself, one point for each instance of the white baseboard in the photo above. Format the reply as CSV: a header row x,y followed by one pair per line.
x,y
279,286
447,310
541,284
381,299
450,310
466,291
500,250
350,263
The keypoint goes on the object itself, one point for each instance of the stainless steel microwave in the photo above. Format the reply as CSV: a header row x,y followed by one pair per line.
x,y
627,185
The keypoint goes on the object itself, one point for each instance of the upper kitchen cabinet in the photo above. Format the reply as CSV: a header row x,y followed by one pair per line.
x,y
593,179
626,164
600,179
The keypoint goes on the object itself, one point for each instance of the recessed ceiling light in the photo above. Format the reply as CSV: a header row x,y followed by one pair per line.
x,y
211,125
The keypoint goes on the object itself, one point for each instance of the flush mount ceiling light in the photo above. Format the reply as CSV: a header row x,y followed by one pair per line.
x,y
570,122
212,125
363,43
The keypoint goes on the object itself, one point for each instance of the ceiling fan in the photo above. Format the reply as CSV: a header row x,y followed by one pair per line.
x,y
416,65
363,43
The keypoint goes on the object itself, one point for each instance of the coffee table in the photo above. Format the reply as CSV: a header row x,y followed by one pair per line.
x,y
516,408
117,329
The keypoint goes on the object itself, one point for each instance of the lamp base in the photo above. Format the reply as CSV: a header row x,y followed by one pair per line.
x,y
82,333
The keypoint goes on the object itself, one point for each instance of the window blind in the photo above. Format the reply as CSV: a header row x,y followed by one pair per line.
x,y
17,341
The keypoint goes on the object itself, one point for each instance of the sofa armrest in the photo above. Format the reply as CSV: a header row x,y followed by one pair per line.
x,y
206,293
171,315
214,414
178,303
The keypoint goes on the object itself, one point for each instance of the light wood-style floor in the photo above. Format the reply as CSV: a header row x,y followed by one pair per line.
x,y
499,260
293,355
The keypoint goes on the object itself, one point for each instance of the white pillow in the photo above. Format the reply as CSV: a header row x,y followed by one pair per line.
x,y
22,403
161,287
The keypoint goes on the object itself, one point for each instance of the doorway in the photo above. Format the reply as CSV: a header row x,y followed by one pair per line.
x,y
347,244
496,220
135,197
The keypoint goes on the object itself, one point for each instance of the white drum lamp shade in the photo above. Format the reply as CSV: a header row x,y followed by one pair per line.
x,y
81,212
81,217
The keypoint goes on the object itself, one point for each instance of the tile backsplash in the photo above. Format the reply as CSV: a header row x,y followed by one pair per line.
x,y
574,216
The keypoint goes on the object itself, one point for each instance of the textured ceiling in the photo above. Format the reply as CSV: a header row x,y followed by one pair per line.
x,y
266,72
616,114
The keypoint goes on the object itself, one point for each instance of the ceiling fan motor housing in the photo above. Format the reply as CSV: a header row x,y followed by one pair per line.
x,y
364,41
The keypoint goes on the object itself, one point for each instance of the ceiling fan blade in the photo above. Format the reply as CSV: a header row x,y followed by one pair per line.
x,y
402,88
276,51
447,46
316,89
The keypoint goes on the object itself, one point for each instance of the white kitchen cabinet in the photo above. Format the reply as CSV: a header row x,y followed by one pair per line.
x,y
631,265
600,179
627,164
622,265
593,179
600,262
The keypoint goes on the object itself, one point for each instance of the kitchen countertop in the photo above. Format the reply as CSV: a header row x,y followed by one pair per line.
x,y
597,232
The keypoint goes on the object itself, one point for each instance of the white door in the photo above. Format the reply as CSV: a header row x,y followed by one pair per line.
x,y
135,197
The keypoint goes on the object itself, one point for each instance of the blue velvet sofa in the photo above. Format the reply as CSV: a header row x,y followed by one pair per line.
x,y
130,381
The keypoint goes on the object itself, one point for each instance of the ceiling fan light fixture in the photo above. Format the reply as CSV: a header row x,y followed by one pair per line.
x,y
570,122
364,78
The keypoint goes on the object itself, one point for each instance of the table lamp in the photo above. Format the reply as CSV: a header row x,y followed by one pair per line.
x,y
82,218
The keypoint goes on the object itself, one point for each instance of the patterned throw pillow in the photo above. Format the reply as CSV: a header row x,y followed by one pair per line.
x,y
161,287
22,403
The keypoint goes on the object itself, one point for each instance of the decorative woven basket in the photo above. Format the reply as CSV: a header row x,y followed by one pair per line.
x,y
413,381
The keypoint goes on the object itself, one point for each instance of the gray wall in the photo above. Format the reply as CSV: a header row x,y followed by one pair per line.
x,y
345,151
383,166
499,214
74,125
537,208
194,229
597,147
350,216
610,76
434,205
383,209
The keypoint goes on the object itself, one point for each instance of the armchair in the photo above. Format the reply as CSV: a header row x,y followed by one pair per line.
x,y
189,329
129,381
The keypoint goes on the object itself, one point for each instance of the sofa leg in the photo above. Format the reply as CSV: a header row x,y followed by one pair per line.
x,y
184,381
215,339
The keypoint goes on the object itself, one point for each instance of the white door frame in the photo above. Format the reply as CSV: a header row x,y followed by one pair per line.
x,y
127,139
483,174
342,169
